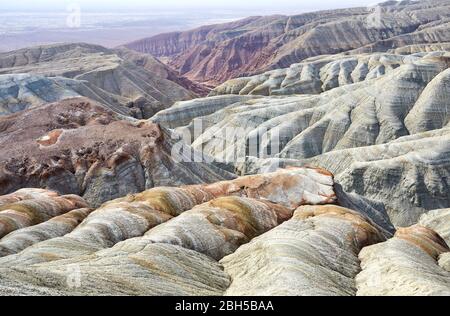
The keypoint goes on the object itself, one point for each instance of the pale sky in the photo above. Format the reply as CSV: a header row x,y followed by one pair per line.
x,y
131,5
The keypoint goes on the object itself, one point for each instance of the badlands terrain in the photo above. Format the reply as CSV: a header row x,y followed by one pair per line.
x,y
215,53
276,155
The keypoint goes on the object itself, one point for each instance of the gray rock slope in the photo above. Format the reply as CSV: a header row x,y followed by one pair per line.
x,y
320,74
316,254
130,83
385,138
19,92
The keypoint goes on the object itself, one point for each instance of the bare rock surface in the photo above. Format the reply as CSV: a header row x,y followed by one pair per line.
x,y
322,168
128,82
408,100
439,221
157,269
216,53
26,194
182,113
407,264
35,209
57,226
385,139
320,74
314,253
113,255
409,176
216,228
134,215
77,146
267,234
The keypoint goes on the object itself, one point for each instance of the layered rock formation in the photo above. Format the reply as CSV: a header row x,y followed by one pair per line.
x,y
439,221
31,208
33,91
57,226
26,194
320,74
78,146
269,234
407,264
127,82
314,253
154,207
215,53
384,136
185,237
137,214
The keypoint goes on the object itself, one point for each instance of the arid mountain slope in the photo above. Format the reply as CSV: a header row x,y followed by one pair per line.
x,y
438,220
212,54
127,82
78,146
319,74
325,170
385,138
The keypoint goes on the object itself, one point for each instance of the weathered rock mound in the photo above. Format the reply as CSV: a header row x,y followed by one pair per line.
x,y
268,234
314,253
320,74
439,221
214,221
32,209
407,264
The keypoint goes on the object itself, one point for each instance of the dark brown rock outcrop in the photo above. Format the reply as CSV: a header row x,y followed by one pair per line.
x,y
78,146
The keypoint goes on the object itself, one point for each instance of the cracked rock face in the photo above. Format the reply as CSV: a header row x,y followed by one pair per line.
x,y
216,53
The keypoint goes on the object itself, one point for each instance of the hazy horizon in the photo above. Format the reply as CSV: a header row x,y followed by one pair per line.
x,y
173,5
112,23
